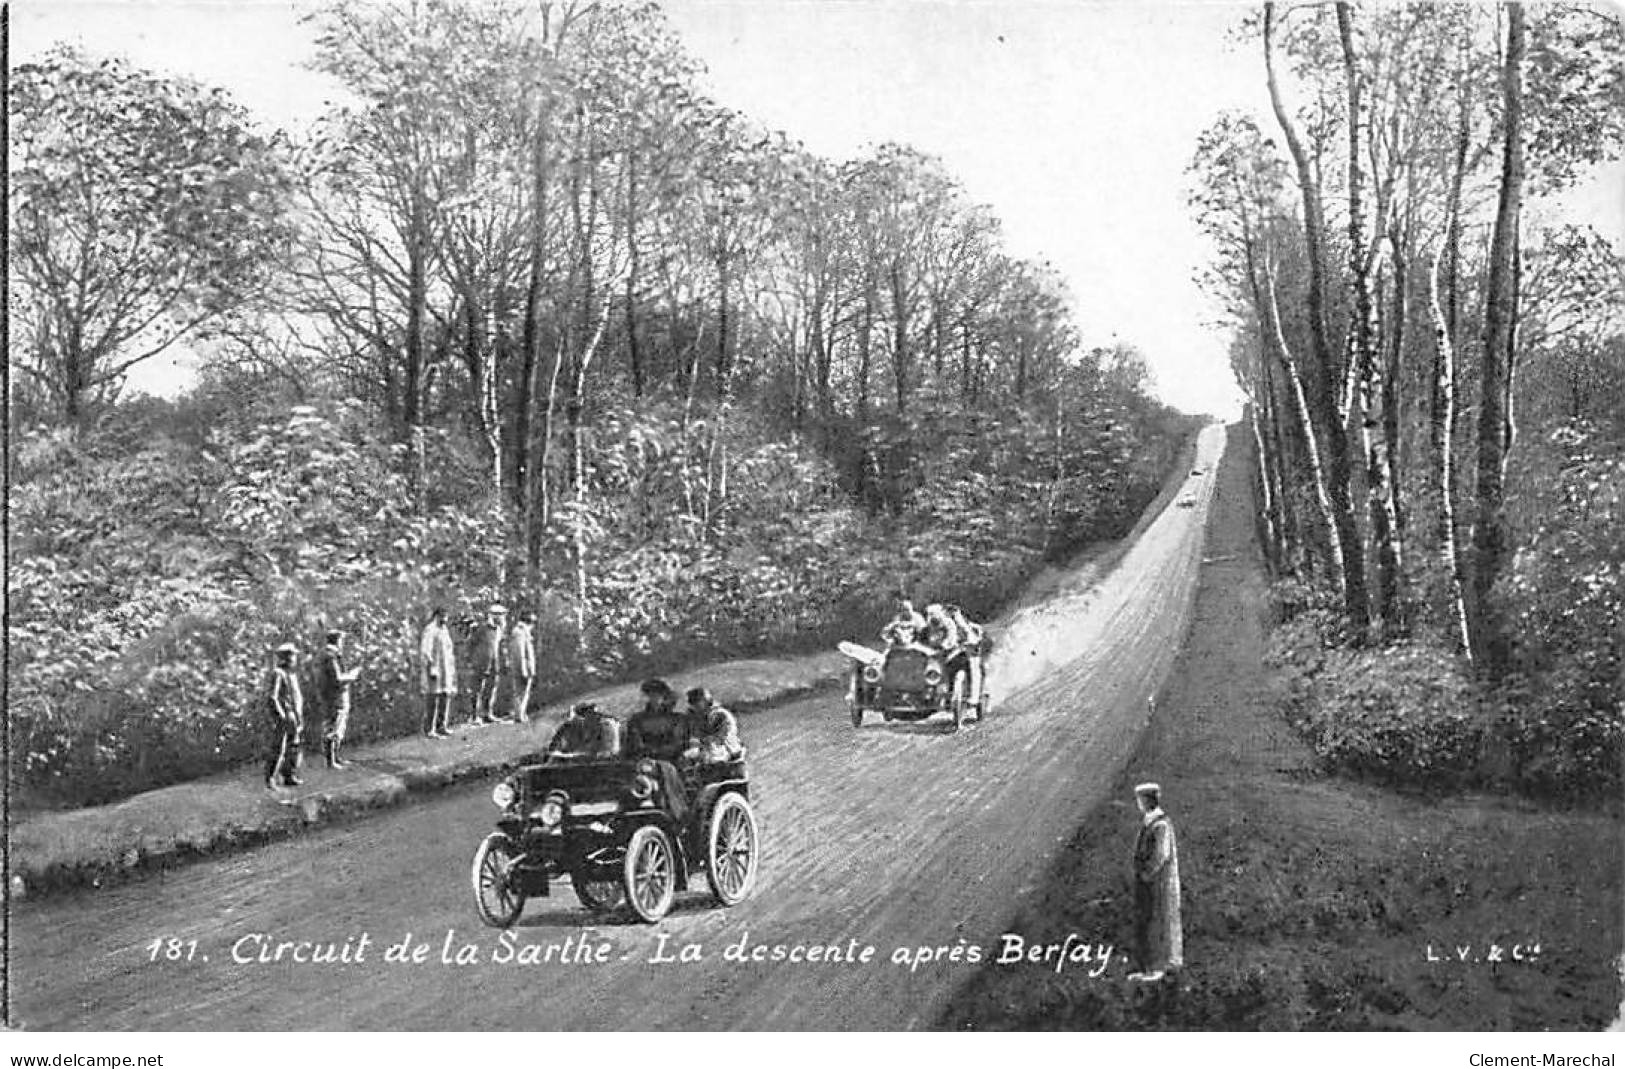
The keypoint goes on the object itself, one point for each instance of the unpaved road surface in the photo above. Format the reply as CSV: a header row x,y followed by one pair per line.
x,y
891,836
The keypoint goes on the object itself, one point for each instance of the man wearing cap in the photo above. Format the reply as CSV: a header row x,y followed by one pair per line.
x,y
333,687
1158,936
438,660
587,732
488,663
286,707
713,731
522,664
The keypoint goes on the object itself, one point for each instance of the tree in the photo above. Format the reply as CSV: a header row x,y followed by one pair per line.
x,y
1490,535
145,209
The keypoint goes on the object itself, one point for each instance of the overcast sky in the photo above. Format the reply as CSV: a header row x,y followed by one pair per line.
x,y
1074,119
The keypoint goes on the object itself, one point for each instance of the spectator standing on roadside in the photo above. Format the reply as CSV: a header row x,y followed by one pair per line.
x,y
1158,936
489,660
285,707
522,664
438,667
333,686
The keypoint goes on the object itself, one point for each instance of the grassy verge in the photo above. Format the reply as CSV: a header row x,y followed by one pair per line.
x,y
1312,902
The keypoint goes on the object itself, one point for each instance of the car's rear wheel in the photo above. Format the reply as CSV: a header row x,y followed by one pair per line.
x,y
600,896
499,904
650,875
731,849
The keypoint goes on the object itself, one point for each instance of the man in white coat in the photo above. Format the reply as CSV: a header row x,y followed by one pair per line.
x,y
1158,936
522,664
438,666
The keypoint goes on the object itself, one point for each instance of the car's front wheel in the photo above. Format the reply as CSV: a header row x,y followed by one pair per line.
x,y
498,903
731,849
650,875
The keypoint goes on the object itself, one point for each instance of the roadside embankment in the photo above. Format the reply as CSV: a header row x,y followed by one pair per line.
x,y
1312,902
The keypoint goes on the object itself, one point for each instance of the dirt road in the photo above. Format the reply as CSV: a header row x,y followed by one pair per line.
x,y
891,836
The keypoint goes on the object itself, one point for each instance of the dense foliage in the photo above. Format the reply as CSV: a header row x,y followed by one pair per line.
x,y
557,330
1434,371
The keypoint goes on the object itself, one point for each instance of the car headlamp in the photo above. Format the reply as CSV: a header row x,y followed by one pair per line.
x,y
933,674
553,807
871,673
503,794
643,787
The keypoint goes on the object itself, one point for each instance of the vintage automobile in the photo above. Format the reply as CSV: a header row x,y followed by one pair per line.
x,y
606,824
911,681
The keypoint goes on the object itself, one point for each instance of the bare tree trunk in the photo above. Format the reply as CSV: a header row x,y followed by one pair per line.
x,y
579,471
1330,376
1399,246
865,344
1443,431
633,354
1362,343
900,353
1490,534
1317,477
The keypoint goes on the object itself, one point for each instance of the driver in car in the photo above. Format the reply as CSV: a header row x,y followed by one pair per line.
x,y
904,627
587,732
660,733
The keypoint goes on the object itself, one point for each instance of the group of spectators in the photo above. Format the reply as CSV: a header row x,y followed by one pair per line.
x,y
504,656
285,745
504,665
501,654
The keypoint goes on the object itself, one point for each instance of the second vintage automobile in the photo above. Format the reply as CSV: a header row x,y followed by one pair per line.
x,y
912,681
611,828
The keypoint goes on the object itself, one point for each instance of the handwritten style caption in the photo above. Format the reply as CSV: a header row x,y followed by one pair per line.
x,y
589,947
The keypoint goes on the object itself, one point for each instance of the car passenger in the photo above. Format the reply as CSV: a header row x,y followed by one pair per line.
x,y
905,627
587,732
660,733
941,633
969,656
712,730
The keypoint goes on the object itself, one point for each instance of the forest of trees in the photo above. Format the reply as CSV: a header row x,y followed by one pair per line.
x,y
524,316
1435,369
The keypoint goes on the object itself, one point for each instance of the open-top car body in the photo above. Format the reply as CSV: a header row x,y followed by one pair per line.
x,y
913,681
611,827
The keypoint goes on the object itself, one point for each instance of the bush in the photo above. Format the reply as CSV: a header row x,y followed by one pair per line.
x,y
156,570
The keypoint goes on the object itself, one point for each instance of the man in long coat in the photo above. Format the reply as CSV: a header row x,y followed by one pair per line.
x,y
1158,937
522,664
437,662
